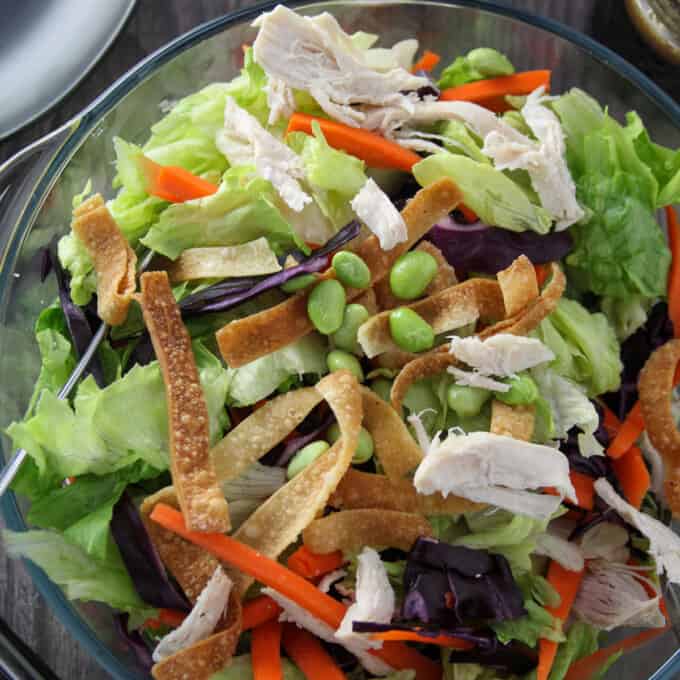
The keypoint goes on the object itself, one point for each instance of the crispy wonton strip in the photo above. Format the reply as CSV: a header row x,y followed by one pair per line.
x,y
200,497
351,530
512,421
447,310
359,490
368,300
248,259
655,387
526,320
395,448
281,518
518,284
114,261
260,432
205,658
245,340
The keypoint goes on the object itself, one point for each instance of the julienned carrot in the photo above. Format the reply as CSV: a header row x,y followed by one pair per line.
x,y
265,651
427,62
375,150
166,617
259,610
585,489
414,636
290,585
310,565
629,432
308,654
175,184
673,226
491,93
541,274
611,423
566,583
633,476
469,216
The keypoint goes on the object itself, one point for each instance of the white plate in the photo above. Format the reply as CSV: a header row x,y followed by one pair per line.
x,y
46,48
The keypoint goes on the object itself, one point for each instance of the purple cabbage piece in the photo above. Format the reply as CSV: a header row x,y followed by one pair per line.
x,y
141,559
459,586
296,443
223,296
135,641
481,248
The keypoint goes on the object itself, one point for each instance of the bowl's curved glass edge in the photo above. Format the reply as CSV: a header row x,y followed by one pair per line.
x,y
107,100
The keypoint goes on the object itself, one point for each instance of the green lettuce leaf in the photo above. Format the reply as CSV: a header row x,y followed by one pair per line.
x,y
496,198
261,377
243,209
81,576
248,89
581,641
458,139
626,315
241,668
76,260
536,624
585,347
478,64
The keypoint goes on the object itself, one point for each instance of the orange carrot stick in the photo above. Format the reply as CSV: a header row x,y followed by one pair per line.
x,y
166,617
629,432
673,226
427,62
468,215
265,651
259,610
310,565
491,93
308,654
375,150
585,489
174,184
633,476
415,636
290,585
566,583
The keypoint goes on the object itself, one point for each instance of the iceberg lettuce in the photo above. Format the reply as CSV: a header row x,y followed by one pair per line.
x,y
478,64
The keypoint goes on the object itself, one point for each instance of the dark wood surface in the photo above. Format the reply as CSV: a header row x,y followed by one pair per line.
x,y
153,23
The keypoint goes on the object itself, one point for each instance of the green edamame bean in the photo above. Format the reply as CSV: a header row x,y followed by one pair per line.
x,y
351,270
490,62
326,306
306,456
346,336
523,391
365,446
338,360
412,274
382,387
466,401
410,331
298,283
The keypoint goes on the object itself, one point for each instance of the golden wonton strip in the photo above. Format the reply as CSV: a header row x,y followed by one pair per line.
x,y
395,448
203,659
245,340
512,421
368,300
445,311
359,490
351,530
261,431
655,387
518,284
281,518
525,321
114,261
200,497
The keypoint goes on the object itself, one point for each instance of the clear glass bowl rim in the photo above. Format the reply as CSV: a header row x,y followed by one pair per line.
x,y
89,118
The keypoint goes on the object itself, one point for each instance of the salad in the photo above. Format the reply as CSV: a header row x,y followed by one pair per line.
x,y
388,383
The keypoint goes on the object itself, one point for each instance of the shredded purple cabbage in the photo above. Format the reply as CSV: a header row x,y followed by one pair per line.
x,y
141,559
135,641
223,296
293,445
481,248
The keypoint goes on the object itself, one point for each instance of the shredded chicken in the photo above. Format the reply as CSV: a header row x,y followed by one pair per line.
x,y
475,379
564,552
378,213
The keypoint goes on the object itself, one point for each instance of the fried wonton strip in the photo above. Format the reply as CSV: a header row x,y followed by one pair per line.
x,y
512,421
361,490
518,284
193,475
260,432
114,261
351,530
526,320
205,658
248,259
655,387
395,448
281,518
245,340
368,300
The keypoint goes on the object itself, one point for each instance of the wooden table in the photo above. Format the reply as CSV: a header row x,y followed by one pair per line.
x,y
152,24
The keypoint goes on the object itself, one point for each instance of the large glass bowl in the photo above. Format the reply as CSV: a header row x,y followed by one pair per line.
x,y
37,203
